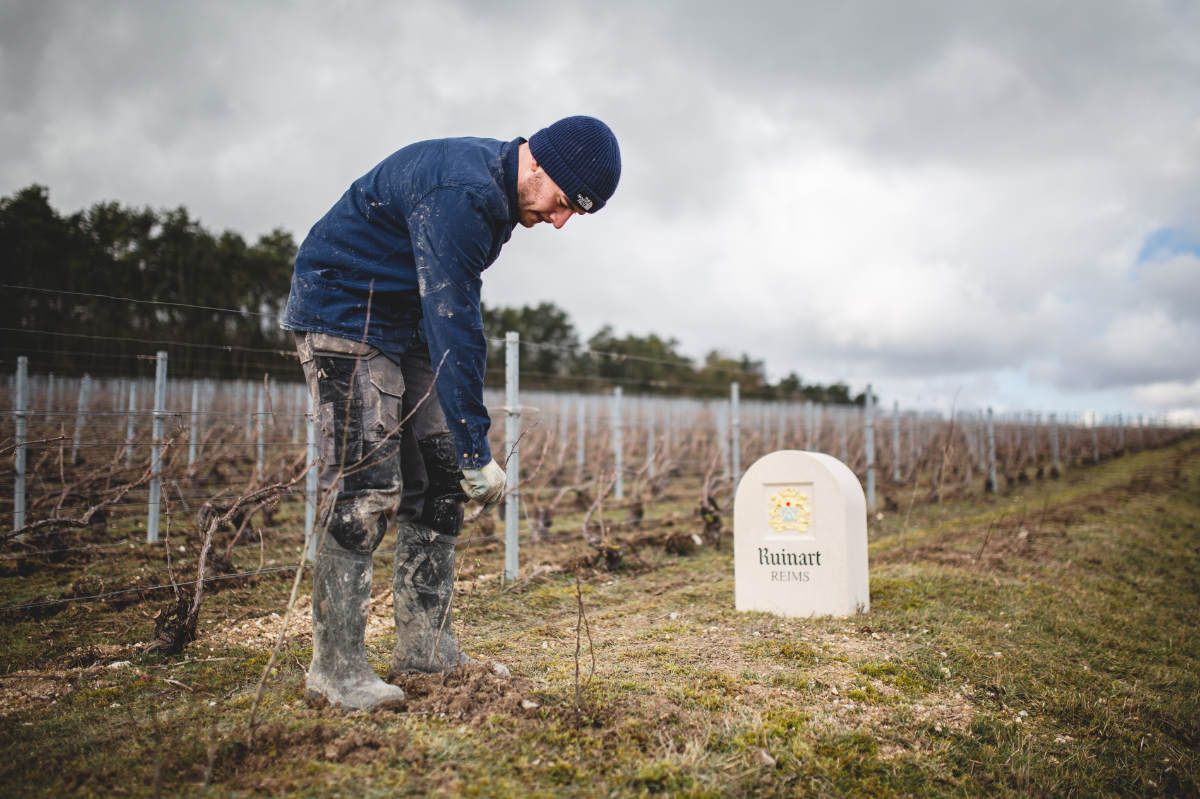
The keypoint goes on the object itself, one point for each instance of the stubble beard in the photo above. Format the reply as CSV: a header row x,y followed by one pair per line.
x,y
527,195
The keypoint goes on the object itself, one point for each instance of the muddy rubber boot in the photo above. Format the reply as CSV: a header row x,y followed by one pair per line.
x,y
339,673
421,590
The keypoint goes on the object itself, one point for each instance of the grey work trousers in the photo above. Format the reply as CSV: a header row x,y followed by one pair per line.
x,y
372,468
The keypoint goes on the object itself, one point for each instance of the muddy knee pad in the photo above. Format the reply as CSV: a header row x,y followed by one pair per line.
x,y
444,498
358,522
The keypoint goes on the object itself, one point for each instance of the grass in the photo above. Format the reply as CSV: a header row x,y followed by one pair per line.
x,y
1040,642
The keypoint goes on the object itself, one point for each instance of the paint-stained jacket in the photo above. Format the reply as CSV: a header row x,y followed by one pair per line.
x,y
399,258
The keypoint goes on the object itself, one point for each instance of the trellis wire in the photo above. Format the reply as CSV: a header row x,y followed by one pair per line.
x,y
1033,435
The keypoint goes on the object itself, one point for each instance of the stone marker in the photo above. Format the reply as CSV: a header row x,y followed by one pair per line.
x,y
800,537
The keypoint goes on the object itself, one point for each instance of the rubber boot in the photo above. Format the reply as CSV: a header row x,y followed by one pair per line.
x,y
340,673
421,590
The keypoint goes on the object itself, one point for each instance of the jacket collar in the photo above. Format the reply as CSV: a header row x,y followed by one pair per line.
x,y
508,167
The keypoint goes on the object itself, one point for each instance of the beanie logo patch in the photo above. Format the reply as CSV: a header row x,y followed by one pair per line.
x,y
584,201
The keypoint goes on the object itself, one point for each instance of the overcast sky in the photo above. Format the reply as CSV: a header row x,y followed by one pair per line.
x,y
965,203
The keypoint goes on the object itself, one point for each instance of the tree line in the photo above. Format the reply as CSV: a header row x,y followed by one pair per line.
x,y
213,300
557,358
164,256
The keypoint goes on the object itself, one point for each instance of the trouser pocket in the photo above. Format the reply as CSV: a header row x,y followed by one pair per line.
x,y
386,396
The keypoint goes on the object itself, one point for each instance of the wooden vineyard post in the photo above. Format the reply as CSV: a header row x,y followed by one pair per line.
x,y
843,436
49,396
130,422
869,447
160,410
1055,465
991,452
723,437
618,464
19,409
249,394
735,431
260,411
650,443
192,423
780,425
580,437
85,397
293,404
562,408
895,441
310,478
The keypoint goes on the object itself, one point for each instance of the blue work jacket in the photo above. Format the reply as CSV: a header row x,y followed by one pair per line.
x,y
410,240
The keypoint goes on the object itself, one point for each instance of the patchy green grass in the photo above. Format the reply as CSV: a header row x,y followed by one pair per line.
x,y
1039,642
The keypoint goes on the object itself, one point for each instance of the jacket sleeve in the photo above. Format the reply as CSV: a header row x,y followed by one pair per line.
x,y
452,239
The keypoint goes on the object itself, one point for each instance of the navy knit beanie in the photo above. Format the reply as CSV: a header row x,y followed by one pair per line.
x,y
581,155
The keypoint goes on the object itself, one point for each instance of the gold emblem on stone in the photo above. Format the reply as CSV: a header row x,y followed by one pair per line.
x,y
789,512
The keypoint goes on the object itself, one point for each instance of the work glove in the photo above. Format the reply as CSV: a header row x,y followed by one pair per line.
x,y
485,485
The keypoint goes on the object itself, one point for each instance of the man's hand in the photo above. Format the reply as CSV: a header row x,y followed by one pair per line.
x,y
485,485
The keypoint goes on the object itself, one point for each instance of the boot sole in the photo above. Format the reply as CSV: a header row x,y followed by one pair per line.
x,y
404,671
318,701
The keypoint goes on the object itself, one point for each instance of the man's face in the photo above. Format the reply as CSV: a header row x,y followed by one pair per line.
x,y
540,200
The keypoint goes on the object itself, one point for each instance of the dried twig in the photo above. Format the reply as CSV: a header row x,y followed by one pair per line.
x,y
5,450
581,624
85,519
987,536
597,507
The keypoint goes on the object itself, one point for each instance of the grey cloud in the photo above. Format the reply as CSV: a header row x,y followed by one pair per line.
x,y
1173,283
783,161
